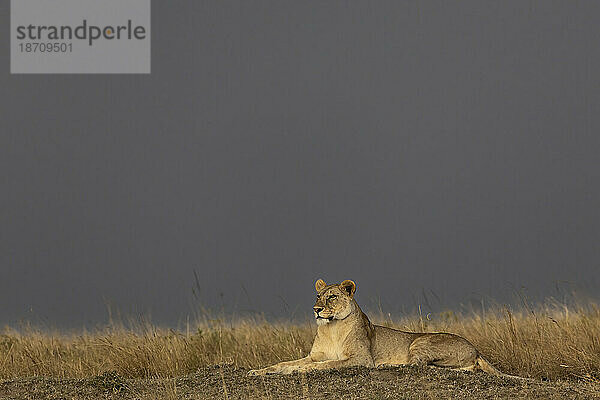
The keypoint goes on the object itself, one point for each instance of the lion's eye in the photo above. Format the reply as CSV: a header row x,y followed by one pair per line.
x,y
331,297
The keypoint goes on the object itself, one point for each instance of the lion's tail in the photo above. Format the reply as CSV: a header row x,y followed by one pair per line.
x,y
485,366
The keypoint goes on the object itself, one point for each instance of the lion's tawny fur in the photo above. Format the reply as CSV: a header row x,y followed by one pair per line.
x,y
346,337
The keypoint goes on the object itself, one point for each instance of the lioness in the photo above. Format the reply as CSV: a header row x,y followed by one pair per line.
x,y
345,337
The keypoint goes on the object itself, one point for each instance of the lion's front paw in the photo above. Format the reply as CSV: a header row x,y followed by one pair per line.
x,y
255,372
258,372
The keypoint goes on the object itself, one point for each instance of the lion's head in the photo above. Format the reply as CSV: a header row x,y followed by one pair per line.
x,y
334,302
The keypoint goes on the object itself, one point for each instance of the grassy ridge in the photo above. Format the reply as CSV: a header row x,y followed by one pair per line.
x,y
553,341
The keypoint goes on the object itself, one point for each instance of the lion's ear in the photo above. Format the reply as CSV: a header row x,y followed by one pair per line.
x,y
320,284
349,287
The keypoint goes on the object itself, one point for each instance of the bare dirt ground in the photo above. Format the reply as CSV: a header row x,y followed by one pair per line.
x,y
228,382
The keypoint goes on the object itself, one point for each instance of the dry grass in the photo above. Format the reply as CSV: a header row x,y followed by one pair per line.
x,y
553,342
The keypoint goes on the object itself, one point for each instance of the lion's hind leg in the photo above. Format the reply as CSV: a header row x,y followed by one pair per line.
x,y
443,350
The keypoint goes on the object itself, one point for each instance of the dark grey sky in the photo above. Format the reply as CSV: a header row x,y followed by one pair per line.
x,y
446,148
